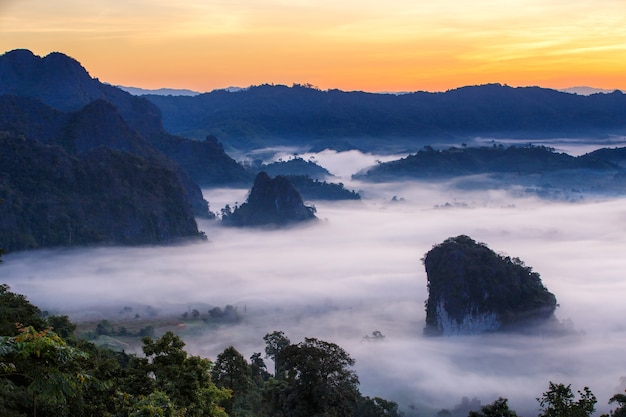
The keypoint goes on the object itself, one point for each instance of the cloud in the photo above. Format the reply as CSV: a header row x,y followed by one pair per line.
x,y
359,270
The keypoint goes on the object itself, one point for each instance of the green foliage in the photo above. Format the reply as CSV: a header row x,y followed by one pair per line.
x,y
185,379
101,195
16,309
320,380
559,401
37,370
231,371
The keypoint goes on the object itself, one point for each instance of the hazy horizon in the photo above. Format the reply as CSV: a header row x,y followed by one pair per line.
x,y
358,270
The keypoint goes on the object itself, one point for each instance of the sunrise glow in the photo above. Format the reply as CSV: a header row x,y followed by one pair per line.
x,y
397,45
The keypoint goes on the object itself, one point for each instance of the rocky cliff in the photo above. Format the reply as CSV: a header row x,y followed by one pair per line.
x,y
272,201
472,290
49,198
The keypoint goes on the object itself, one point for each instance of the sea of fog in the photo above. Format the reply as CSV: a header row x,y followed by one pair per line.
x,y
359,270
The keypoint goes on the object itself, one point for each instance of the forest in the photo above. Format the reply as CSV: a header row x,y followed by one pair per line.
x,y
45,370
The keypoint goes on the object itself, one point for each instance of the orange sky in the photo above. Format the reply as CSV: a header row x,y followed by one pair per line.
x,y
393,45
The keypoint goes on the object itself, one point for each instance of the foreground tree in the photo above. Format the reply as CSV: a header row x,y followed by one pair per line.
x,y
559,401
320,380
231,371
36,374
275,342
15,308
186,380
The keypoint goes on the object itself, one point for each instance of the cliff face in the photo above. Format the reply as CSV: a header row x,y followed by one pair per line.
x,y
474,290
272,201
51,198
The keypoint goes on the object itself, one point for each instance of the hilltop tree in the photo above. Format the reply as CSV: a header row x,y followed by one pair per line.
x,y
186,380
558,401
275,342
231,371
320,380
15,308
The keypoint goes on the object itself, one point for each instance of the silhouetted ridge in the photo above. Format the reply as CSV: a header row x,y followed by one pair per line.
x,y
62,83
269,115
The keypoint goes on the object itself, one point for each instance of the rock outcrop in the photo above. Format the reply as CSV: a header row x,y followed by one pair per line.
x,y
271,202
473,290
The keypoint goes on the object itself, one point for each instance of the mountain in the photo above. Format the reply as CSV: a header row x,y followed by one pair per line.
x,y
472,290
536,170
98,124
63,84
453,162
271,202
586,91
159,91
50,198
270,115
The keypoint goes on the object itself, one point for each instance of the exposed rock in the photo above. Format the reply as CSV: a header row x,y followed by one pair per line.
x,y
474,290
272,201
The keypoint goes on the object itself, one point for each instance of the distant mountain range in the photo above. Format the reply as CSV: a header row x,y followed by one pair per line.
x,y
587,91
271,115
85,162
581,90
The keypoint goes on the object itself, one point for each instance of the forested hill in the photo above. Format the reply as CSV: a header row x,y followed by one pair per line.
x,y
274,114
63,84
49,197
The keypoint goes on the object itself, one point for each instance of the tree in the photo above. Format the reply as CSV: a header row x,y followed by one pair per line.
x,y
376,407
498,408
275,342
258,368
231,371
558,401
320,380
186,380
34,370
620,411
15,308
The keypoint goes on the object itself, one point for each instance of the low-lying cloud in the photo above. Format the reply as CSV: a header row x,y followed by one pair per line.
x,y
358,270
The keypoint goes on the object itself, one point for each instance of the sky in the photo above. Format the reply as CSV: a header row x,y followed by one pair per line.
x,y
394,45
358,270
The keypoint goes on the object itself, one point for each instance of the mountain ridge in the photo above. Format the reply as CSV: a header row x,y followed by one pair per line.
x,y
62,83
272,115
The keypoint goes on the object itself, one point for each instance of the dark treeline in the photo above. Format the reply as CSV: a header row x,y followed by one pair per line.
x,y
46,371
270,115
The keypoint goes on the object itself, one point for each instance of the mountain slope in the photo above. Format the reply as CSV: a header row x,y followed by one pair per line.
x,y
62,83
269,115
51,198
